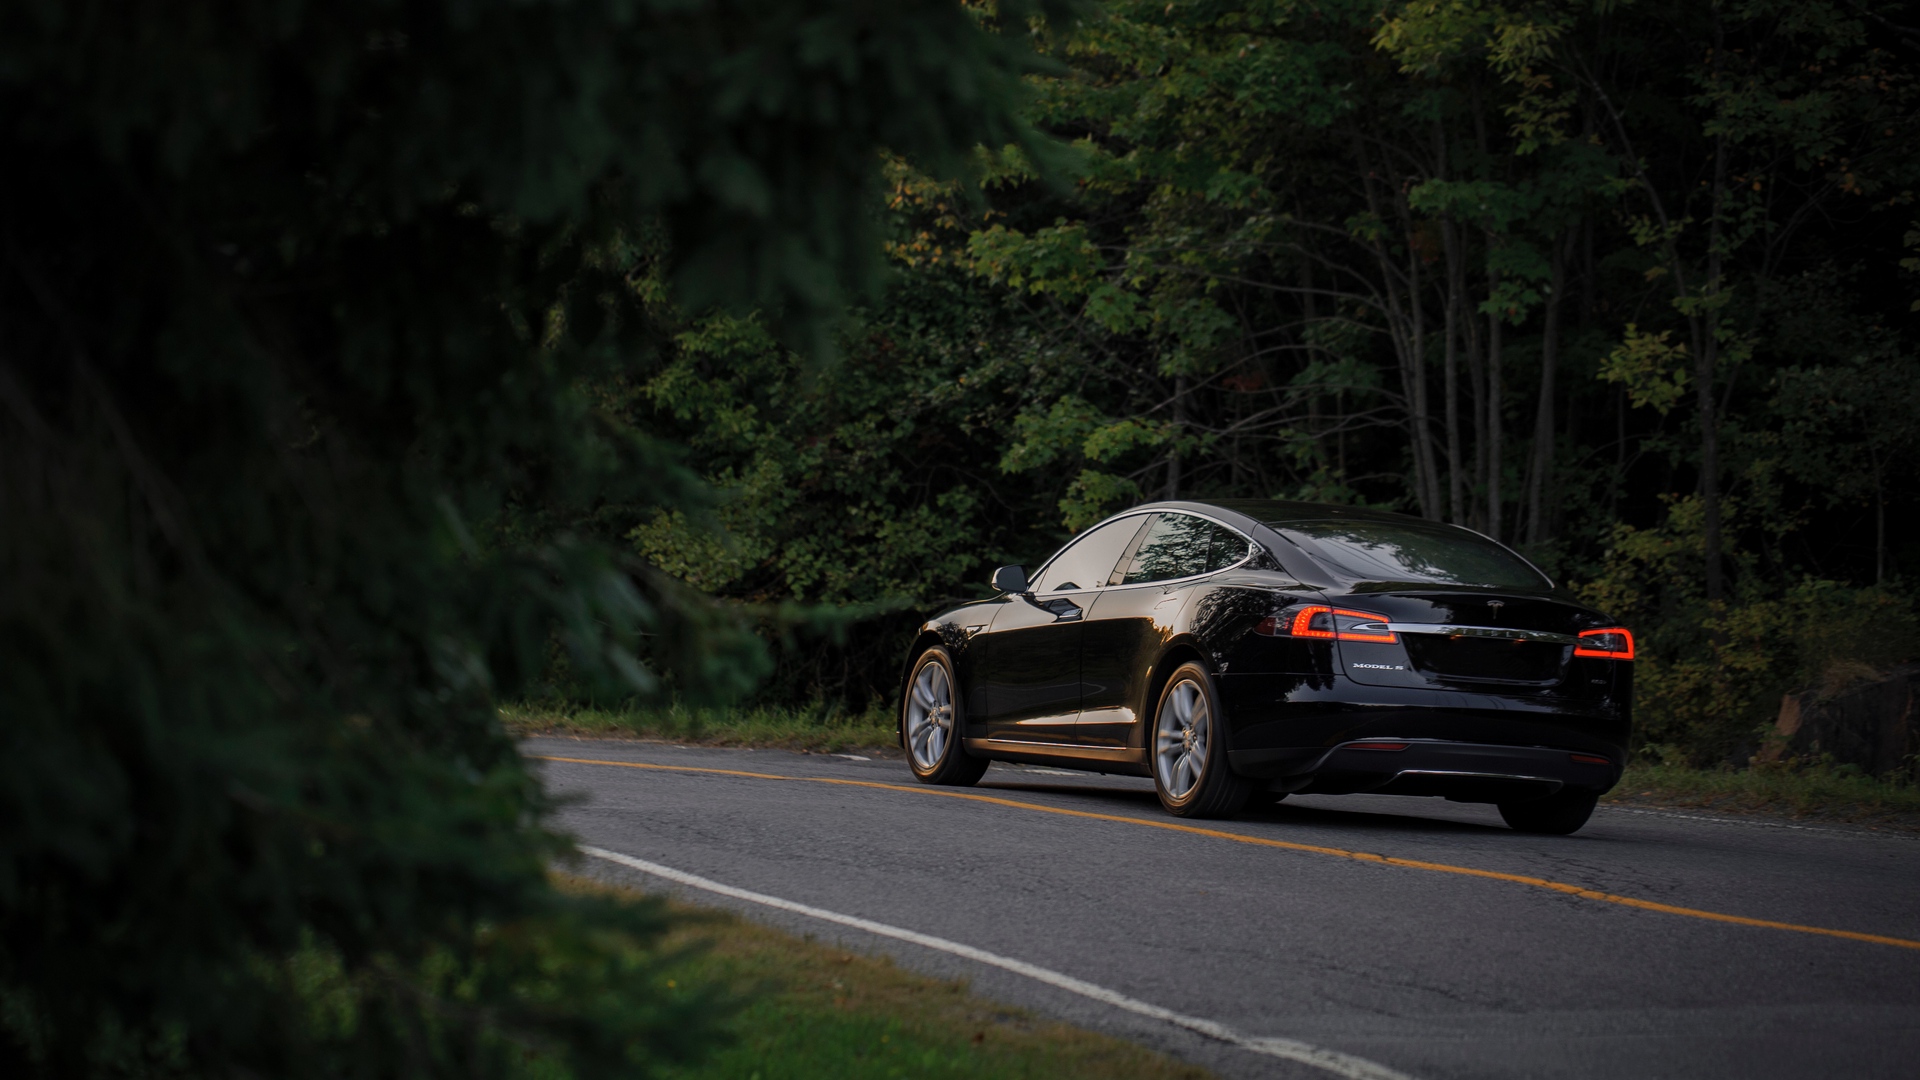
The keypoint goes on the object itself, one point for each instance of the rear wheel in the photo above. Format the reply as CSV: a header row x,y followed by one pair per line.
x,y
1190,770
930,719
1558,814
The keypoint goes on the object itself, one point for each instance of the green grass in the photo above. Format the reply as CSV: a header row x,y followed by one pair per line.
x,y
795,729
1837,794
820,1012
1807,791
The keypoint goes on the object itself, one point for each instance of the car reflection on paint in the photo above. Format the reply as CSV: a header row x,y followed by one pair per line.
x,y
1248,650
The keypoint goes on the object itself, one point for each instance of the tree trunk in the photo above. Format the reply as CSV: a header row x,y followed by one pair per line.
x,y
1538,480
1477,397
1589,278
1879,519
1406,328
1495,323
1340,408
1450,379
1416,377
1708,357
1879,536
1179,426
1704,372
1456,479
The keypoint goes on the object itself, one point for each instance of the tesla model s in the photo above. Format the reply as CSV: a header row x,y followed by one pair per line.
x,y
1249,650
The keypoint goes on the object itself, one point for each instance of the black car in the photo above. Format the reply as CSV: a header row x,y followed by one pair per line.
x,y
1238,650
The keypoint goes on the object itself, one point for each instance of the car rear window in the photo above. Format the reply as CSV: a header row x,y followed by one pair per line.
x,y
1425,554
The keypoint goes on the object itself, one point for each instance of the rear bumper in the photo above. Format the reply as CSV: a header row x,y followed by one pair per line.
x,y
1462,771
1305,716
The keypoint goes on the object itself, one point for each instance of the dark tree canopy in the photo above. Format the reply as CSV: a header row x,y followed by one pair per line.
x,y
295,299
1627,284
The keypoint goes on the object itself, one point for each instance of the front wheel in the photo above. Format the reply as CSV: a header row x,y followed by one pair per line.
x,y
1190,770
1558,814
930,720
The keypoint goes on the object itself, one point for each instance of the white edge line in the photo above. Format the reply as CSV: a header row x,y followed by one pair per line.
x,y
1333,1061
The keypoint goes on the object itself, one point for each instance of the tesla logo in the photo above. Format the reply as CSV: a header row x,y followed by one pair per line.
x,y
1496,605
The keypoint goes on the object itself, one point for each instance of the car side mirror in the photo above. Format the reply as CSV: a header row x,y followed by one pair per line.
x,y
1010,579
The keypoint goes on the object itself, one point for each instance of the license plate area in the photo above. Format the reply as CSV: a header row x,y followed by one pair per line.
x,y
1510,661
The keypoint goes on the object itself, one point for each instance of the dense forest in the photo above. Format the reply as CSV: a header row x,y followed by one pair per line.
x,y
1628,286
367,364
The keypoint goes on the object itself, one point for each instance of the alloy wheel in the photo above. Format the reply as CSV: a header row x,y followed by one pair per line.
x,y
930,714
1180,738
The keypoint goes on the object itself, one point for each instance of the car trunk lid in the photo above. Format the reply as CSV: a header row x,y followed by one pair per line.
x,y
1503,642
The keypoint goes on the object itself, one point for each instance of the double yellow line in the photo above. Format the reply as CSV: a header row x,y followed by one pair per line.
x,y
1287,845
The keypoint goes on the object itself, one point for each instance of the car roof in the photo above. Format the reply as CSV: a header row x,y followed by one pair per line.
x,y
1250,514
1280,511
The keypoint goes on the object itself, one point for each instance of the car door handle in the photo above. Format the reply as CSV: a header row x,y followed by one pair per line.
x,y
1064,609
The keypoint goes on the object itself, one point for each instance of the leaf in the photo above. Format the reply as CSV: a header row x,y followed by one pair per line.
x,y
1653,369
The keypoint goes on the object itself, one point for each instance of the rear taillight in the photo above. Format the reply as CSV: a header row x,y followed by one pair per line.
x,y
1312,622
1612,643
1375,746
1317,621
1590,759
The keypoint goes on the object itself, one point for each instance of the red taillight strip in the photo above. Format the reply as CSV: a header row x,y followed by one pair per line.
x,y
1303,622
1602,653
1301,625
1591,759
1375,746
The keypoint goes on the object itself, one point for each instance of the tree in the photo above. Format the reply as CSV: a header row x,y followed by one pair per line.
x,y
299,300
1524,266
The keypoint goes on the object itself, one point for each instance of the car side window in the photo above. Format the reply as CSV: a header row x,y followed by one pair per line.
x,y
1181,545
1088,561
1175,546
1227,547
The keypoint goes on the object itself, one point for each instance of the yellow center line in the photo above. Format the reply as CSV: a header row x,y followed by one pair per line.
x,y
1287,845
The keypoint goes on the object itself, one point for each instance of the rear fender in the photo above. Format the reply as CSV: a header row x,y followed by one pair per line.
x,y
1179,651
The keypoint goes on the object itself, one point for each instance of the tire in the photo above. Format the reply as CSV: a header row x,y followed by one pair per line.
x,y
1558,814
930,725
1189,749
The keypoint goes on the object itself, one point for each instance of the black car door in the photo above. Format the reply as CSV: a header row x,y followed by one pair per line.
x,y
1032,668
1132,620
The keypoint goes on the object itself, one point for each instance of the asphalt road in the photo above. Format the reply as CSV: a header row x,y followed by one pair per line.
x,y
1423,969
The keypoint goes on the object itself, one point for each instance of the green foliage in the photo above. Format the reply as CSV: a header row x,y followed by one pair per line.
x,y
1826,432
1467,259
817,470
1652,367
1710,676
1818,790
818,726
869,483
1847,412
317,316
